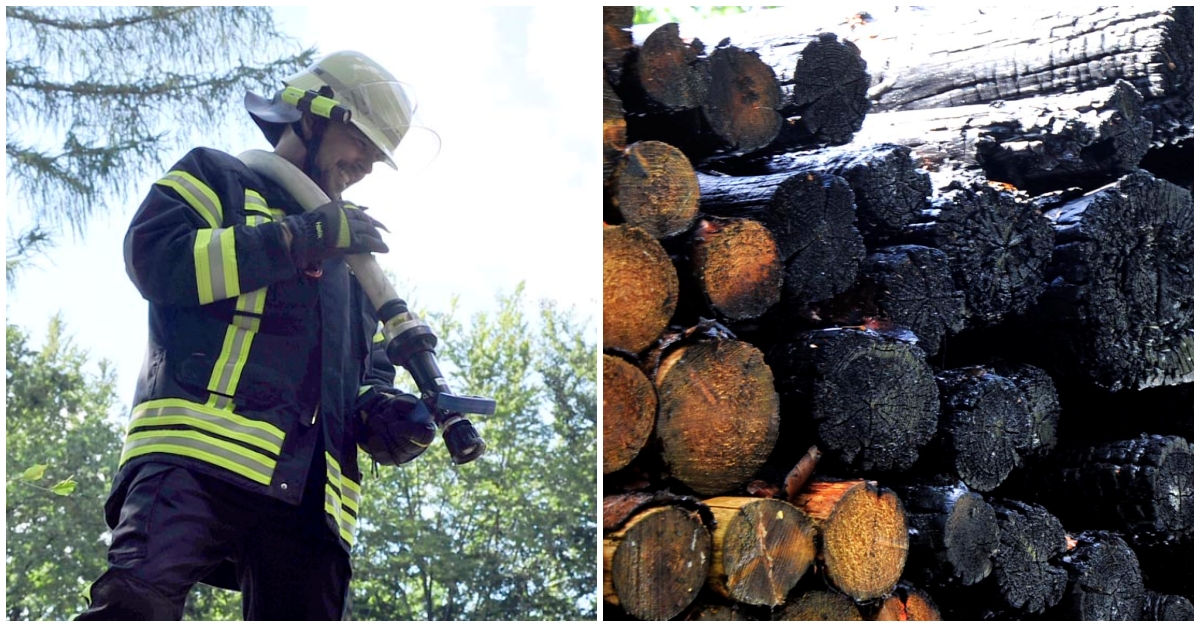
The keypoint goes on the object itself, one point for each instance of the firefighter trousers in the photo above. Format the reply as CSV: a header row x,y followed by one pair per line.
x,y
178,527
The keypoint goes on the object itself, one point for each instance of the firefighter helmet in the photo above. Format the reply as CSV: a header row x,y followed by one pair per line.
x,y
347,83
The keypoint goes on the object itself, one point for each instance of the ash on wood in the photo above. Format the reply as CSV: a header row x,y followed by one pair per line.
x,y
1103,579
641,288
737,267
1033,143
872,398
998,248
819,605
985,421
953,536
630,405
718,413
864,541
1118,311
655,565
654,188
914,289
761,548
889,190
908,603
1142,487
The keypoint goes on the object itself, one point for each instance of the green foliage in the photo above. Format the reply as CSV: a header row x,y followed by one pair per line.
x,y
510,536
99,96
55,427
652,15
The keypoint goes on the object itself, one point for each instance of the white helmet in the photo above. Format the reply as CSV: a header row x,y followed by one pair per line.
x,y
349,84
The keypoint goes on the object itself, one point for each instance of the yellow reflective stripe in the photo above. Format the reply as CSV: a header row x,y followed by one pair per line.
x,y
379,337
215,256
200,253
351,491
345,526
363,389
343,240
198,195
253,303
249,464
235,351
256,202
163,411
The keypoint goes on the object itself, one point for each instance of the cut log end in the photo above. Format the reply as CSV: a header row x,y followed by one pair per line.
x,y
743,99
655,188
641,288
630,405
656,564
865,535
908,603
820,605
762,547
718,414
738,267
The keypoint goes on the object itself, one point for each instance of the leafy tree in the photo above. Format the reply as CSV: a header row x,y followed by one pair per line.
x,y
651,15
55,421
511,535
96,95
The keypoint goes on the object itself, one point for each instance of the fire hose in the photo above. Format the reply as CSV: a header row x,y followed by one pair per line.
x,y
409,341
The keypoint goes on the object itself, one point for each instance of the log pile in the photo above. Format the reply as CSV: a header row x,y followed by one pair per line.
x,y
898,315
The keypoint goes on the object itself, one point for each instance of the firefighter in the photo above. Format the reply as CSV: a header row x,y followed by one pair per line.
x,y
261,378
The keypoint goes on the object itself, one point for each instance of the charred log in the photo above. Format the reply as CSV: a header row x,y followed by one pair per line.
x,y
1103,579
953,535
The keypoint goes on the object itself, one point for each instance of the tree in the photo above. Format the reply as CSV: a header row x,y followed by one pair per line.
x,y
96,95
56,409
512,535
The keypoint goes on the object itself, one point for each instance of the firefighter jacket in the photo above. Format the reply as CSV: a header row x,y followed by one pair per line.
x,y
254,371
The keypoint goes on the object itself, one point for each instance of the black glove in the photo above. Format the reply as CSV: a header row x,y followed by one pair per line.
x,y
335,228
396,429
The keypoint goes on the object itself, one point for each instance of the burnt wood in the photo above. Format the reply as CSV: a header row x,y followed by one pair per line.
x,y
871,399
1173,607
1118,311
953,534
1104,581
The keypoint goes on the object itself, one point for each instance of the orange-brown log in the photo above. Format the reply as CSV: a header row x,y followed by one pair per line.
x,y
655,188
640,288
618,40
655,565
908,603
614,130
864,535
670,73
761,548
718,415
743,100
630,405
724,612
820,605
737,266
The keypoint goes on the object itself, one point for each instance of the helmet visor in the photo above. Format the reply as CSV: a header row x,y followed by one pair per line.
x,y
386,112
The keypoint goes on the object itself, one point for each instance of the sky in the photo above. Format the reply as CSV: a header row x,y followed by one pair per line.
x,y
508,199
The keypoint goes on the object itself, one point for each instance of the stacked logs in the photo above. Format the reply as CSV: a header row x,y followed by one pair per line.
x,y
931,360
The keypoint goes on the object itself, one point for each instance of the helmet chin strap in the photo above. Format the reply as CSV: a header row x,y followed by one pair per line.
x,y
312,142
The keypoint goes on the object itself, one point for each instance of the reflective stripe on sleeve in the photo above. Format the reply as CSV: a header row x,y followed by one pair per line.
x,y
342,498
215,255
198,195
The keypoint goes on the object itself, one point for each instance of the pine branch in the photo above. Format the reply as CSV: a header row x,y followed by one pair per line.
x,y
154,14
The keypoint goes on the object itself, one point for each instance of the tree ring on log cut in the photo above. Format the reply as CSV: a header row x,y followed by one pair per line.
x,y
669,71
641,288
738,267
865,542
985,422
630,405
659,562
655,188
718,414
1104,581
1030,537
831,79
820,605
761,549
743,100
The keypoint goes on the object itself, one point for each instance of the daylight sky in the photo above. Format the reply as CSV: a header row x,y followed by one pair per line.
x,y
510,197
